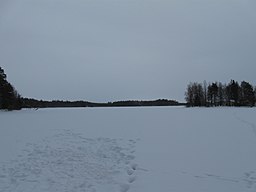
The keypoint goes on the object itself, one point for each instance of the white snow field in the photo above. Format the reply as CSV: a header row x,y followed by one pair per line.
x,y
167,149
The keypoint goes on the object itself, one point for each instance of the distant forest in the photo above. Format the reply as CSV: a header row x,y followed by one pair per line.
x,y
219,94
33,103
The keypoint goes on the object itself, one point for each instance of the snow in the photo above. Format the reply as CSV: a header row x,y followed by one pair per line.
x,y
128,149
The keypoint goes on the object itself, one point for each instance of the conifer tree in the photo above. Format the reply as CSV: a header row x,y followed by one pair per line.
x,y
247,94
9,97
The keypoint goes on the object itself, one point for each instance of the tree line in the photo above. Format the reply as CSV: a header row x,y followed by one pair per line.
x,y
220,94
9,97
33,103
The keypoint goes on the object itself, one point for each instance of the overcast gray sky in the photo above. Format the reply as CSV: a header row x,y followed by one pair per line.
x,y
106,50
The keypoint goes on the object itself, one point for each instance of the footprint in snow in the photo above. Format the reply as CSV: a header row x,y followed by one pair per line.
x,y
130,171
124,187
131,179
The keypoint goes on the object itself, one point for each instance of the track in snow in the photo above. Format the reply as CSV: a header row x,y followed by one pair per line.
x,y
70,162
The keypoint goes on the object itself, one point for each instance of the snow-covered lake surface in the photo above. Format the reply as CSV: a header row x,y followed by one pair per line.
x,y
128,149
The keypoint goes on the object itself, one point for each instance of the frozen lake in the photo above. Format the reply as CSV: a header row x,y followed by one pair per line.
x,y
128,149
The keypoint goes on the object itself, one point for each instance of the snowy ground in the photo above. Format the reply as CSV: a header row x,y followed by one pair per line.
x,y
128,149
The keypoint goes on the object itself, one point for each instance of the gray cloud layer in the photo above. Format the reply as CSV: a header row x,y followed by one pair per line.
x,y
104,50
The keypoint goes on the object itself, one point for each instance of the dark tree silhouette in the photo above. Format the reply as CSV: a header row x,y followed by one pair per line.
x,y
247,97
221,94
205,92
194,95
9,97
233,93
213,94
